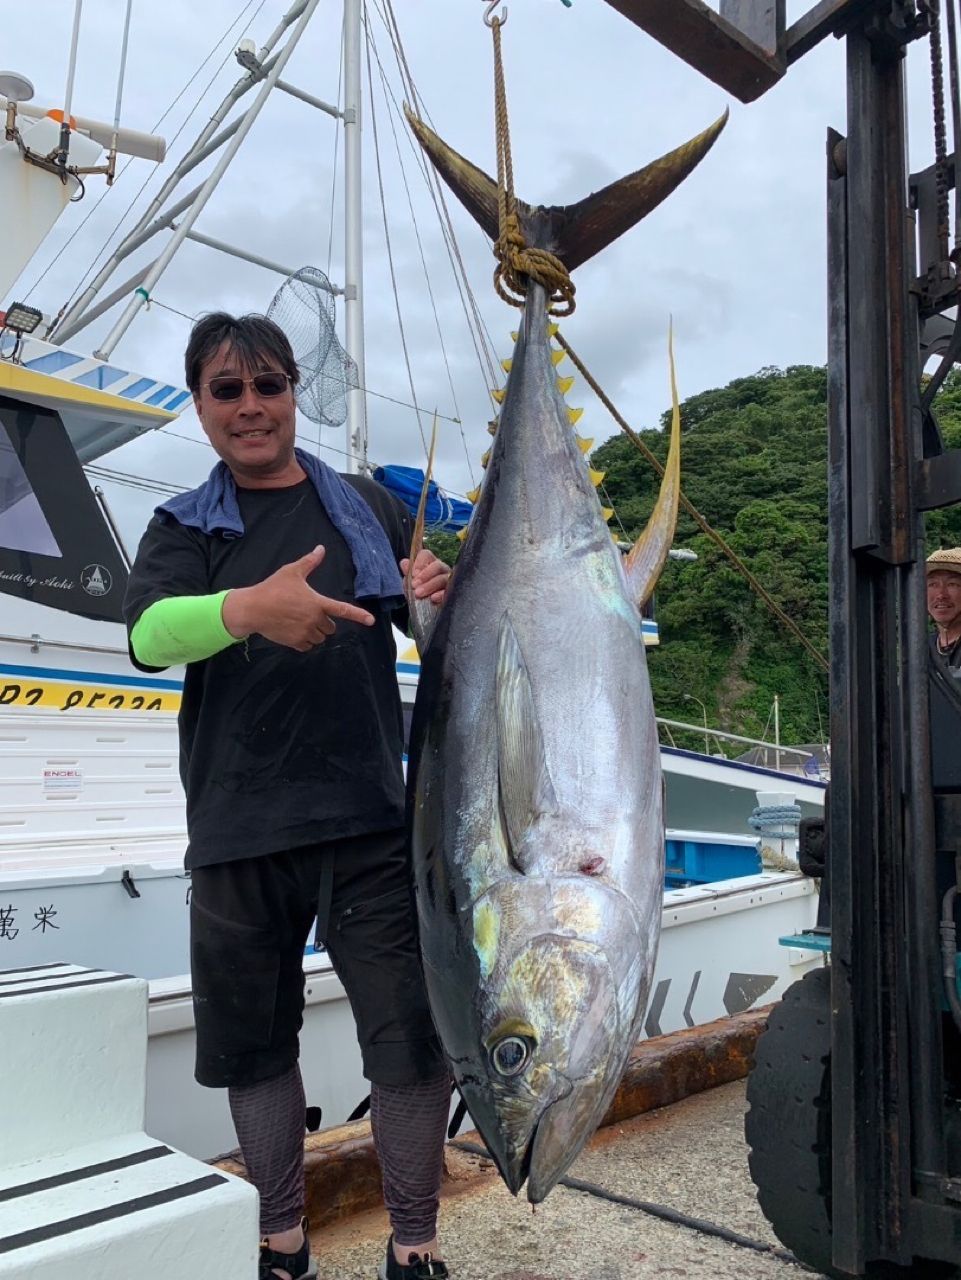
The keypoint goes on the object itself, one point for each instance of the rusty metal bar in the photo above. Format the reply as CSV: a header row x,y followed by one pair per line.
x,y
939,481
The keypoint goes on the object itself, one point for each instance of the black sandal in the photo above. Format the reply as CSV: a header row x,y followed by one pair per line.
x,y
299,1265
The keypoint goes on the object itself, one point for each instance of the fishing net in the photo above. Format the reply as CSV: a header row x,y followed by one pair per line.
x,y
303,306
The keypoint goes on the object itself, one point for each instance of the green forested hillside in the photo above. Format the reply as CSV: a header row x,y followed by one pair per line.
x,y
754,464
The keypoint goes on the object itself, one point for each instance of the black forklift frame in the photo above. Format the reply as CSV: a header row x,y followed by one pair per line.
x,y
892,1197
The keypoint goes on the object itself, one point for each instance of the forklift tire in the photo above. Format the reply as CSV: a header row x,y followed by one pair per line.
x,y
788,1130
788,1123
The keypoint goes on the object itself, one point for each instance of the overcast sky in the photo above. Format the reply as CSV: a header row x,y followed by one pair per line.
x,y
736,255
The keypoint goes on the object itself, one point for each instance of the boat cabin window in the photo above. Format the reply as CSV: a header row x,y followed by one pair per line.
x,y
56,548
23,526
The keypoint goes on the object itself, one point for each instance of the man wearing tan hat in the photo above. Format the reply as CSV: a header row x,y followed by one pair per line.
x,y
944,606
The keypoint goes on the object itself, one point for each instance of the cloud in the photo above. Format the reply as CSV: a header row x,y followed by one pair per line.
x,y
736,256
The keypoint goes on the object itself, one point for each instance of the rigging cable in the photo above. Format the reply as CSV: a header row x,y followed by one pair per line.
x,y
420,247
478,329
153,171
692,511
387,241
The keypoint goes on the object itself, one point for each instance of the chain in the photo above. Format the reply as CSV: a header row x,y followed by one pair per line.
x,y
933,9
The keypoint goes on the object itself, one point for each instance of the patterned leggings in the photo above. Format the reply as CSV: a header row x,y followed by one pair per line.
x,y
408,1122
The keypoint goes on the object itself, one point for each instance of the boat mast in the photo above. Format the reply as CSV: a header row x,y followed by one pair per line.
x,y
356,444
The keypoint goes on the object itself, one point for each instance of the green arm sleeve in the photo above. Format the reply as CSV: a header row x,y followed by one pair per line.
x,y
180,629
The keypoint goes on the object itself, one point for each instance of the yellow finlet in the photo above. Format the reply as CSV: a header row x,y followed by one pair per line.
x,y
462,534
507,364
574,416
553,330
557,357
584,443
596,476
607,512
485,457
472,494
564,385
498,393
492,428
514,333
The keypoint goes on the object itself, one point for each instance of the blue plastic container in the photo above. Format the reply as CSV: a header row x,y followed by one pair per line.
x,y
692,862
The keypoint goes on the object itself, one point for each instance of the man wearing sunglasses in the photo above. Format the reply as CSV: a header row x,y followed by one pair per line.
x,y
275,583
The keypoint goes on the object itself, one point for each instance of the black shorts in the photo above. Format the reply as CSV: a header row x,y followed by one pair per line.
x,y
249,923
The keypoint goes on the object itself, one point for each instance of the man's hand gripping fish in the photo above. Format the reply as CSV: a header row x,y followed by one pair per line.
x,y
534,783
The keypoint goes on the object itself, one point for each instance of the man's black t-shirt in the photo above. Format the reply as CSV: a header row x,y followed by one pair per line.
x,y
280,749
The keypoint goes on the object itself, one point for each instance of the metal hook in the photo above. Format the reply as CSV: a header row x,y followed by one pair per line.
x,y
489,19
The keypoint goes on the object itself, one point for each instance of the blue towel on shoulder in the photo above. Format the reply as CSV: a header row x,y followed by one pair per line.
x,y
213,508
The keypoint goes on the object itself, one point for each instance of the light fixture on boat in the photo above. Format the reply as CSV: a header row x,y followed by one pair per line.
x,y
21,318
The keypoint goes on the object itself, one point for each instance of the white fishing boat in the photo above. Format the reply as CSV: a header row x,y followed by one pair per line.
x,y
92,826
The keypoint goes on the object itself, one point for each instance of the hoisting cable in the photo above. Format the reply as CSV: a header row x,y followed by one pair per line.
x,y
516,262
692,511
661,1211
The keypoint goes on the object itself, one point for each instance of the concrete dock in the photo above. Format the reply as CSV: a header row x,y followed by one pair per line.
x,y
689,1157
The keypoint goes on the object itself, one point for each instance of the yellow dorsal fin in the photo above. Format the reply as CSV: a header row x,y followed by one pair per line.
x,y
557,357
498,393
492,428
485,457
507,364
472,494
596,476
564,385
607,512
574,416
584,443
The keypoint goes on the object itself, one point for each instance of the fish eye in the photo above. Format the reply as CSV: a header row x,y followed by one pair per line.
x,y
511,1055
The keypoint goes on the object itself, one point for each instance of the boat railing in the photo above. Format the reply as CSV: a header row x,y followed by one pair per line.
x,y
37,641
794,757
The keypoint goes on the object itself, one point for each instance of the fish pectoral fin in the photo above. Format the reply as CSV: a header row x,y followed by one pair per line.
x,y
423,614
649,553
524,782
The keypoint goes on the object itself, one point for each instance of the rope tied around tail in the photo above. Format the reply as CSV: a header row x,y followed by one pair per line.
x,y
517,263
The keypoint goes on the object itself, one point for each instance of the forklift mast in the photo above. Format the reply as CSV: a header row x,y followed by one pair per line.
x,y
894,814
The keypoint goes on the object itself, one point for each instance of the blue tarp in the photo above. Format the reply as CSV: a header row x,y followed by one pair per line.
x,y
442,513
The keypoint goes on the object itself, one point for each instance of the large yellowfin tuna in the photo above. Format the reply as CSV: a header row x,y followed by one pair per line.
x,y
534,781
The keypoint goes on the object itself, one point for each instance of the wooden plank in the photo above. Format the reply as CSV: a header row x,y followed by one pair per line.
x,y
820,21
707,42
760,20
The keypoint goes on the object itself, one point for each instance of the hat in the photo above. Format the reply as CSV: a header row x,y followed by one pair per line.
x,y
947,558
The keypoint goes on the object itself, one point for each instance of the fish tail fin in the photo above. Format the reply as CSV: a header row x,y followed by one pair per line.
x,y
649,553
423,614
575,232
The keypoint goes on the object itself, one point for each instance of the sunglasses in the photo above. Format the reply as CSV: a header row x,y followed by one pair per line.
x,y
266,385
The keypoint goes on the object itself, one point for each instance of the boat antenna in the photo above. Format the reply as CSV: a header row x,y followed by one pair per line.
x,y
68,94
112,159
